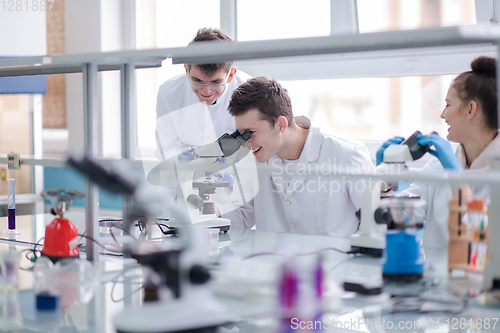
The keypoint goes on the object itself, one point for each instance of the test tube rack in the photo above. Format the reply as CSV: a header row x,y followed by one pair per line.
x,y
460,246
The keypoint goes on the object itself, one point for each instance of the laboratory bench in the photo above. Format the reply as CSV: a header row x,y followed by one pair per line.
x,y
246,266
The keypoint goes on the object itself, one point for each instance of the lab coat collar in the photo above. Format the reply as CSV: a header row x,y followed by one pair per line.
x,y
310,154
484,159
312,147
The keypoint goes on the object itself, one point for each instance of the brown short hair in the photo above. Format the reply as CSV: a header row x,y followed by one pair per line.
x,y
480,85
209,34
265,95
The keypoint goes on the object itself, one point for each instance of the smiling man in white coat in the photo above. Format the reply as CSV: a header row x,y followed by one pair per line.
x,y
192,107
192,111
296,202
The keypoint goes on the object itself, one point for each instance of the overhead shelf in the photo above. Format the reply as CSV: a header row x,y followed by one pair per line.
x,y
393,40
66,64
477,36
60,162
442,60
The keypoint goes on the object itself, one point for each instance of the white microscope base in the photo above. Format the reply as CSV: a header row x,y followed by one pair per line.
x,y
214,222
371,243
195,311
207,221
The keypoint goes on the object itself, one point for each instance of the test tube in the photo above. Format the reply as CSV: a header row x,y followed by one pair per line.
x,y
11,199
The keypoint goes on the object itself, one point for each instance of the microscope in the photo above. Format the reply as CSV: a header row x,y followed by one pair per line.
x,y
387,224
212,159
181,267
371,238
402,259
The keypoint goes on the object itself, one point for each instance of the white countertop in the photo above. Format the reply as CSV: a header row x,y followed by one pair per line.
x,y
245,265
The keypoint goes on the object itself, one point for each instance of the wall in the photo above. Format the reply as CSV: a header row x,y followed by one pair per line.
x,y
97,26
82,35
70,179
54,101
94,26
15,137
23,34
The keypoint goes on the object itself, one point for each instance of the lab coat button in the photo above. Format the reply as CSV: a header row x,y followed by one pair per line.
x,y
287,203
293,226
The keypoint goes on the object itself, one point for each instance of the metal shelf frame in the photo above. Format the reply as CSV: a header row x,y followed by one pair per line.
x,y
213,52
89,65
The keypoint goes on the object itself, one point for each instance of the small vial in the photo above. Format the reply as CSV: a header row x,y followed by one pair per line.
x,y
474,254
12,233
288,296
476,219
475,235
481,230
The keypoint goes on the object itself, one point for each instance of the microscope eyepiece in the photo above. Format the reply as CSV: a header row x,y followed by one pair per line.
x,y
230,143
245,136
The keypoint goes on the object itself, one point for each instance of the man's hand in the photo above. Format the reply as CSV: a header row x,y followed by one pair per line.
x,y
188,154
216,210
385,188
228,177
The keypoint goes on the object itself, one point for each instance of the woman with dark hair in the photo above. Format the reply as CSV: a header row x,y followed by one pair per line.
x,y
471,113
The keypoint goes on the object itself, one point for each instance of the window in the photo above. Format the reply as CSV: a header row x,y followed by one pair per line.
x,y
264,19
161,24
370,108
15,137
383,15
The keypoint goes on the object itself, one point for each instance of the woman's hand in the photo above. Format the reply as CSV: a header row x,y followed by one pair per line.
x,y
380,152
442,150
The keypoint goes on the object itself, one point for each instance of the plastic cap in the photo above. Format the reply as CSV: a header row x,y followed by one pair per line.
x,y
476,205
47,301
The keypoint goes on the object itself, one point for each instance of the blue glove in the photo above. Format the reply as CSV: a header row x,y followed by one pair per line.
x,y
380,152
228,177
188,154
442,150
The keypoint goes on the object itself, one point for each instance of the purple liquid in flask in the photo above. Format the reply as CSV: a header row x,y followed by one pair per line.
x,y
12,218
11,199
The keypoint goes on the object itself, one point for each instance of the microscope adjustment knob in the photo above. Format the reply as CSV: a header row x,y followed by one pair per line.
x,y
383,216
199,274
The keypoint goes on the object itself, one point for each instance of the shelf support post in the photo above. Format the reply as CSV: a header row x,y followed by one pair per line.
x,y
128,119
90,122
492,270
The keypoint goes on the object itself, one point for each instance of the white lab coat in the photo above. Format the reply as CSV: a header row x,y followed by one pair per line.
x,y
182,121
437,196
311,204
